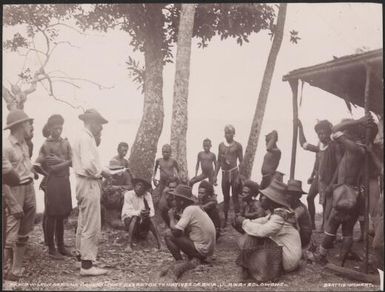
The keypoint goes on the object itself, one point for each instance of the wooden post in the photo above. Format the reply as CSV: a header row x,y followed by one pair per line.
x,y
294,89
366,176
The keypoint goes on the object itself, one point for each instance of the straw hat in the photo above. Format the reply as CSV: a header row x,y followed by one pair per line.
x,y
276,192
16,117
93,115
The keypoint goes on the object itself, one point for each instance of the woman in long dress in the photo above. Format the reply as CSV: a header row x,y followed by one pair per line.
x,y
55,158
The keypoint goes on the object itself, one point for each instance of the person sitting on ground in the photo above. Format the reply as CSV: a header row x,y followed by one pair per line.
x,y
294,190
350,134
270,242
137,213
251,208
166,200
271,159
329,154
113,189
194,233
122,152
208,162
168,168
208,202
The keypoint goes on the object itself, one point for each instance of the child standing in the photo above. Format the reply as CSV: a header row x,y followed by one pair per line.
x,y
208,162
168,168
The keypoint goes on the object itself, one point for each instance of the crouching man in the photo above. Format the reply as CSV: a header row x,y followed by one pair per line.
x,y
137,213
199,242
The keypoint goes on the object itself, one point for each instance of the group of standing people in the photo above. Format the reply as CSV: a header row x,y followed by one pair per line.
x,y
274,225
55,158
339,176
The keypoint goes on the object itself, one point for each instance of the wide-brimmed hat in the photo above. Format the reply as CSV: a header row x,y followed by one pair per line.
x,y
145,182
276,192
16,117
253,186
92,115
294,185
278,176
184,192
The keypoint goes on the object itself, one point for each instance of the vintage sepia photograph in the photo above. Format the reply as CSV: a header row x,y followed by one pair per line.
x,y
192,146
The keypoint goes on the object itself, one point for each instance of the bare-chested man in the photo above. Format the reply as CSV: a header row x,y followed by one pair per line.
x,y
229,153
271,159
208,162
168,168
351,135
328,154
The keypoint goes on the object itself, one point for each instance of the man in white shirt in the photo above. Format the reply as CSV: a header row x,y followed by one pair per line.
x,y
89,172
194,233
137,213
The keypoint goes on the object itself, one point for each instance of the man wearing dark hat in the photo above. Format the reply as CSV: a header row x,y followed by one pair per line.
x,y
294,190
16,153
229,154
271,159
194,233
137,213
88,171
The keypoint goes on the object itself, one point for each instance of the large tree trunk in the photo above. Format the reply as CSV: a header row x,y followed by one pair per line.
x,y
256,126
144,148
181,83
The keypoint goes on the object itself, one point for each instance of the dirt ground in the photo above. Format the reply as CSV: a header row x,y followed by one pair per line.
x,y
138,270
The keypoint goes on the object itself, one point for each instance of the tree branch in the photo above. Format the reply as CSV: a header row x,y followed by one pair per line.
x,y
65,42
68,82
51,94
85,80
68,26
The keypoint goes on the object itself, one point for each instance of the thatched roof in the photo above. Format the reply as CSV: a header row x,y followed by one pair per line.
x,y
345,77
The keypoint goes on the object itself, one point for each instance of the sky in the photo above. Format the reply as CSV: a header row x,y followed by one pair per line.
x,y
225,79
